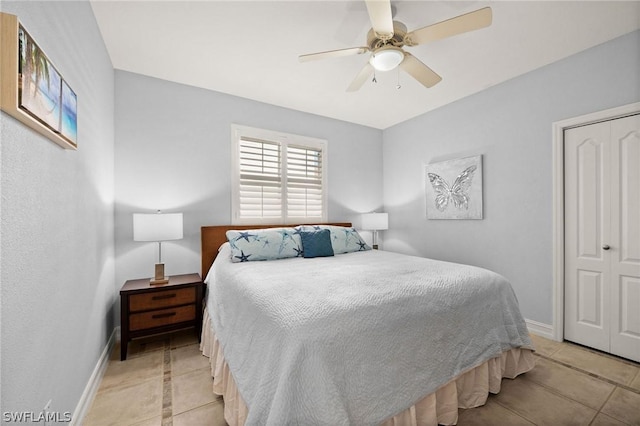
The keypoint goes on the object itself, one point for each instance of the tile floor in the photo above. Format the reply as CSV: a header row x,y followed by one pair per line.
x,y
166,381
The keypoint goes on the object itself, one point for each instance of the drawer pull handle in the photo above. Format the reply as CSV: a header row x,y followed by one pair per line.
x,y
167,315
164,296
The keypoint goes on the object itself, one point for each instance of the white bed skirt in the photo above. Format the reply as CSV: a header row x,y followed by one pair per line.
x,y
468,390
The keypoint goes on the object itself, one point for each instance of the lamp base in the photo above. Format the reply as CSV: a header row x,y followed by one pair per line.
x,y
159,278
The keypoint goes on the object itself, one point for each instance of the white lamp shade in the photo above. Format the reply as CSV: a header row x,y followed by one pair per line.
x,y
375,221
157,226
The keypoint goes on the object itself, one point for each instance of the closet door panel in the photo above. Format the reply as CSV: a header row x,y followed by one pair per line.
x,y
625,226
587,231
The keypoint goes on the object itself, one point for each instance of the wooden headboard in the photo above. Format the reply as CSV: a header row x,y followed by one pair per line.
x,y
212,237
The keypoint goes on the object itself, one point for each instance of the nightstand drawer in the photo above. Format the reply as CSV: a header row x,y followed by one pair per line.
x,y
161,299
162,317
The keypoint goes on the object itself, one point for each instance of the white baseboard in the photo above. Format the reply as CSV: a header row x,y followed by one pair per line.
x,y
94,381
540,329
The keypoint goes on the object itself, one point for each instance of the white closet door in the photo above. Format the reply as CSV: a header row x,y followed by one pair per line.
x,y
602,236
587,230
625,237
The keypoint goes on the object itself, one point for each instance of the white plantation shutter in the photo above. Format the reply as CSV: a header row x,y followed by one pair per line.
x,y
260,179
278,178
304,182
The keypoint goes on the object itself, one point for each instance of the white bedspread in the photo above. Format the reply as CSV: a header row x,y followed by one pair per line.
x,y
355,338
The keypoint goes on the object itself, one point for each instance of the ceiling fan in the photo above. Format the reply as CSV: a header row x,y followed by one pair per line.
x,y
387,38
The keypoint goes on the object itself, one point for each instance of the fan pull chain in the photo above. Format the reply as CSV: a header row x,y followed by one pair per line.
x,y
398,86
374,77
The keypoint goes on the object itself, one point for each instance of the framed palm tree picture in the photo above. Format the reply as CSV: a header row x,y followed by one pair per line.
x,y
42,92
32,90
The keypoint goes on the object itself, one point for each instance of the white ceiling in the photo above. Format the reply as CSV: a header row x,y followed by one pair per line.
x,y
250,49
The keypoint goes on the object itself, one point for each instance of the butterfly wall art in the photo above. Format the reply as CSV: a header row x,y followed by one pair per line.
x,y
454,189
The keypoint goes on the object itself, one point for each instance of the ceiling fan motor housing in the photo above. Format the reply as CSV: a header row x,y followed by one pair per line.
x,y
399,31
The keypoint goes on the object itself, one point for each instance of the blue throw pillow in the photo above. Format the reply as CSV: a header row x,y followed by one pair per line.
x,y
316,243
343,239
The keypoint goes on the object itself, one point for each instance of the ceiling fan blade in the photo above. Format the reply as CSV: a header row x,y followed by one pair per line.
x,y
362,76
416,69
333,54
381,18
460,24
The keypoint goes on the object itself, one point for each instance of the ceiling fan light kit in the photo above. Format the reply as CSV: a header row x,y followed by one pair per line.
x,y
386,58
387,38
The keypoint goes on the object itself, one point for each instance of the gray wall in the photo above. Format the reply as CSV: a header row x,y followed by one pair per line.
x,y
57,224
173,152
510,125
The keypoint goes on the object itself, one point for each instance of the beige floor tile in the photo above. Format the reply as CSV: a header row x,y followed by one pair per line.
x,y
126,405
211,414
545,346
623,405
192,390
141,347
604,420
155,421
183,338
571,383
132,370
612,369
541,406
186,359
491,413
635,383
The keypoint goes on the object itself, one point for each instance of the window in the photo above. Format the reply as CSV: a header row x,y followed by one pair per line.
x,y
277,177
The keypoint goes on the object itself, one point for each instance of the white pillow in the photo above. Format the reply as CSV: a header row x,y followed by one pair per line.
x,y
264,244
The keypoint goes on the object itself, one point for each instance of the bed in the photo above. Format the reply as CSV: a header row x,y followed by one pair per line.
x,y
364,338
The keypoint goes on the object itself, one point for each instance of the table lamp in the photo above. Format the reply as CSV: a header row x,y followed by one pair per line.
x,y
157,227
375,222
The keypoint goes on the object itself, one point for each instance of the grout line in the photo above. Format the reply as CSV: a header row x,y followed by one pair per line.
x,y
508,409
557,392
590,374
603,404
606,400
637,376
167,397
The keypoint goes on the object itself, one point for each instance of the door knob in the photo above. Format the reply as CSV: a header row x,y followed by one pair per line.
x,y
605,247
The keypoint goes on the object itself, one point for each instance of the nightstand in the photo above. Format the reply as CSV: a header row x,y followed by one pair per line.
x,y
147,309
